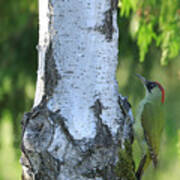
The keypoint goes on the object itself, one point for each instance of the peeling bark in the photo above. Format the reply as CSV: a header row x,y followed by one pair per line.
x,y
79,122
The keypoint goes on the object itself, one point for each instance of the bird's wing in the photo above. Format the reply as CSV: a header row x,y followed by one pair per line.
x,y
152,123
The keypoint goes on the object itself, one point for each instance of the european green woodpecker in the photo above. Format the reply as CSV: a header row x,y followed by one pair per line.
x,y
149,117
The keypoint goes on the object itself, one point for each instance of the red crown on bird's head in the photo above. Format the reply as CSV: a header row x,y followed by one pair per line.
x,y
162,91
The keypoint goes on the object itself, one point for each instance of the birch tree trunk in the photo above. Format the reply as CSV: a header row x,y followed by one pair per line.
x,y
79,122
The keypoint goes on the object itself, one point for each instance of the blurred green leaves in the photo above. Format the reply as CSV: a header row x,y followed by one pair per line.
x,y
158,21
9,165
144,39
18,61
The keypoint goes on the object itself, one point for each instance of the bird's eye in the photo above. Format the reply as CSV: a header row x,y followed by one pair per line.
x,y
150,86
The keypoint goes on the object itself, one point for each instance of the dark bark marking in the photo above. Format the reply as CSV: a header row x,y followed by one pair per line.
x,y
127,122
49,169
107,28
125,167
103,136
25,159
39,135
58,119
51,73
39,129
33,113
101,147
114,4
107,173
124,105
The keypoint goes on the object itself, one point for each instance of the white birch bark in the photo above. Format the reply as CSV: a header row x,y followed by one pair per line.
x,y
76,126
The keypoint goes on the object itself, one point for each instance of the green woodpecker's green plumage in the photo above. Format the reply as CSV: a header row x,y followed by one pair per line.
x,y
149,123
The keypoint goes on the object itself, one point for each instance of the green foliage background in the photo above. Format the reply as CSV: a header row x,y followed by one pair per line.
x,y
154,20
18,61
149,33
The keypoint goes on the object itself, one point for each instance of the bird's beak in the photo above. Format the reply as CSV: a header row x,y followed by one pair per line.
x,y
143,80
